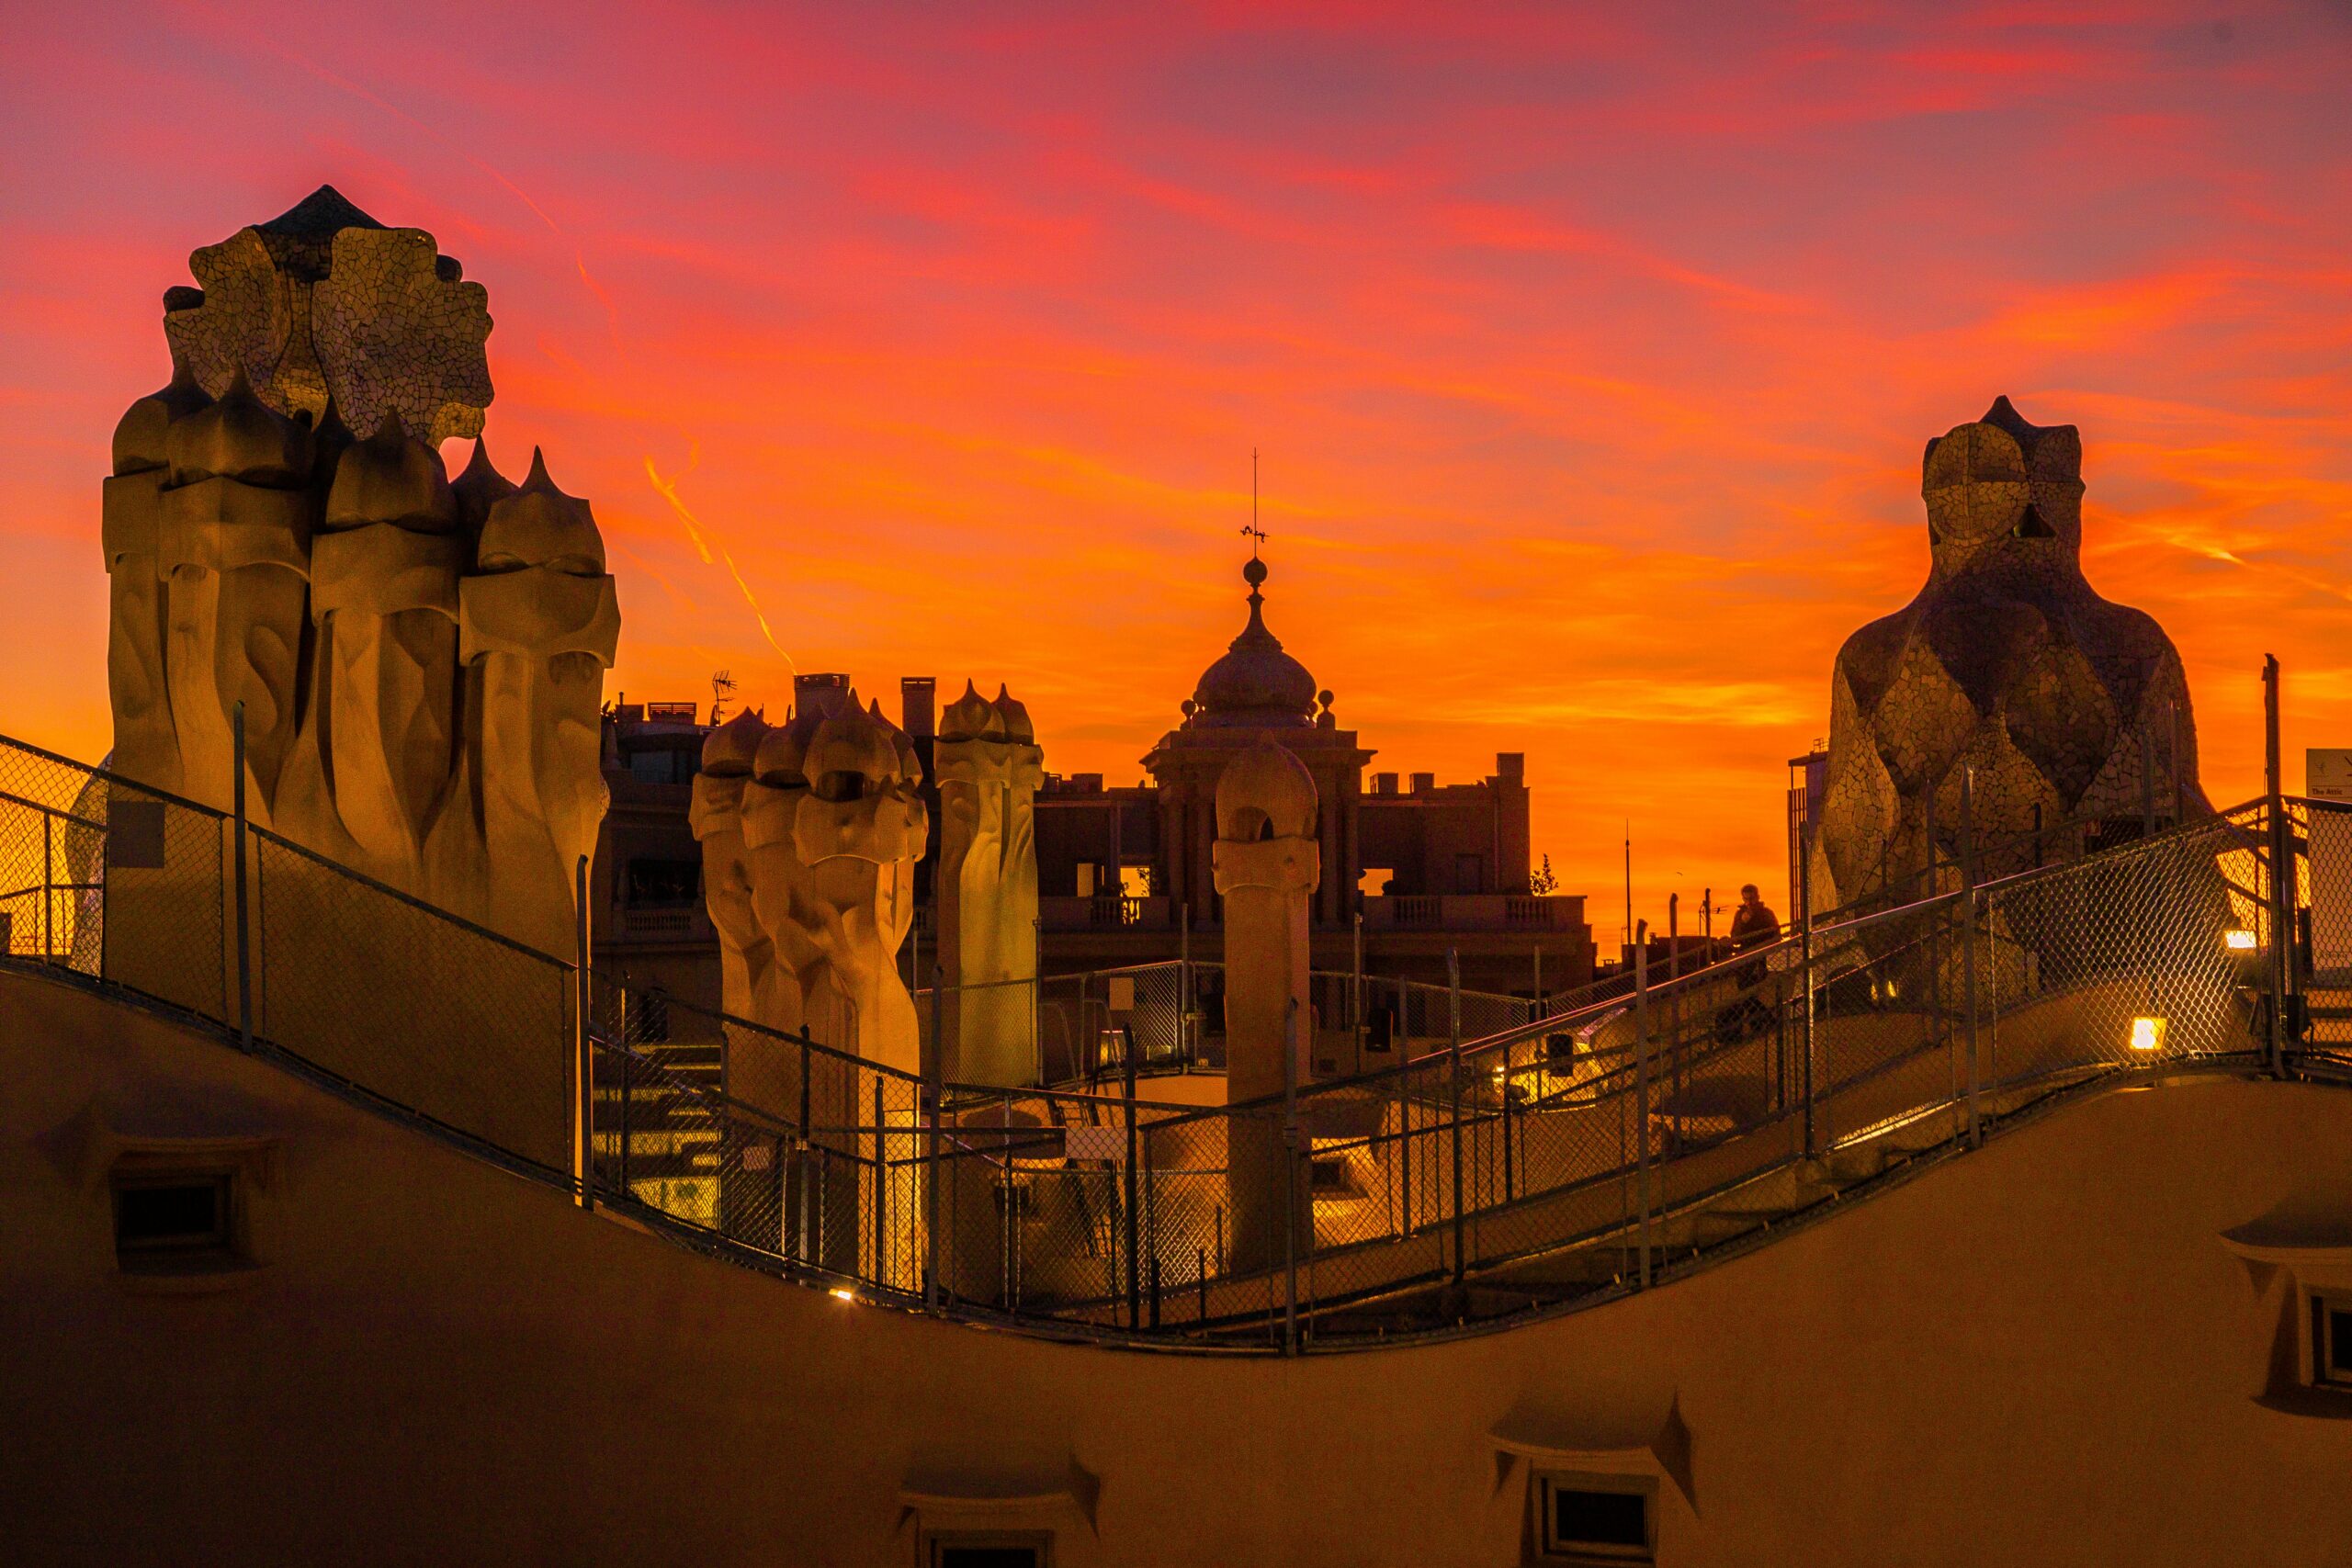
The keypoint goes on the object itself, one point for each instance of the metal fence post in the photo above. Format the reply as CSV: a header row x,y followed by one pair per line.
x,y
2281,871
934,1091
1355,989
1968,943
1453,1061
244,923
1642,1088
1805,959
583,1064
1290,1181
1130,1178
1186,1049
881,1270
807,1157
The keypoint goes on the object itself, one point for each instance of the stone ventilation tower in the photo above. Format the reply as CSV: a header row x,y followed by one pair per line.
x,y
989,768
1268,866
420,664
828,812
746,957
2008,663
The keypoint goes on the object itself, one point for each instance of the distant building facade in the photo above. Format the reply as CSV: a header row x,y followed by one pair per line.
x,y
1124,871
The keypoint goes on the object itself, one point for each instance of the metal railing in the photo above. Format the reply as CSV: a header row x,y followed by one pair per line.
x,y
1489,1169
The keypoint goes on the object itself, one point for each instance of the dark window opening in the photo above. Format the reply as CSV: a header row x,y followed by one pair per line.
x,y
991,1548
2331,1344
664,884
1560,1048
164,1215
1598,1518
1329,1174
2032,525
665,766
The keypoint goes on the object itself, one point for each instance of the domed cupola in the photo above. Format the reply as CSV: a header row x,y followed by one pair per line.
x,y
1255,685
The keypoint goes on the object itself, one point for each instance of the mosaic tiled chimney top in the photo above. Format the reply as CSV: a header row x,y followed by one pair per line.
x,y
323,301
2009,661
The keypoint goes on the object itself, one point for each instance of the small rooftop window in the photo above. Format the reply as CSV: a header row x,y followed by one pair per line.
x,y
2331,1341
1597,1518
988,1549
161,1220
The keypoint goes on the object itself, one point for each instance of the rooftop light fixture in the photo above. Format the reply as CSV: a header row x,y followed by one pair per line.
x,y
2238,940
841,1294
2147,1034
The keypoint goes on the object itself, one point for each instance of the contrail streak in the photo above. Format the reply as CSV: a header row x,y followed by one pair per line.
x,y
694,531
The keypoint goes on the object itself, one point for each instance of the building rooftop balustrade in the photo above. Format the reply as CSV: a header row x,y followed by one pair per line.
x,y
1472,911
1113,912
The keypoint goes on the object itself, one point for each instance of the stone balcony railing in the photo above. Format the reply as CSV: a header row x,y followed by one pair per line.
x,y
691,924
1471,911
1109,913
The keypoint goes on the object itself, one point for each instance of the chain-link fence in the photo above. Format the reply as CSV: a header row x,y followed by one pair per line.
x,y
1490,1156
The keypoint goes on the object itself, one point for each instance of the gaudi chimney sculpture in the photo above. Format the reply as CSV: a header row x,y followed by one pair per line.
x,y
2065,706
421,665
989,768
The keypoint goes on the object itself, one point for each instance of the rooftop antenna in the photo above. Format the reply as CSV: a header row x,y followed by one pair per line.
x,y
722,686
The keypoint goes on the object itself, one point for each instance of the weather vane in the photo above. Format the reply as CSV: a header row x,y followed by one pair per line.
x,y
1255,534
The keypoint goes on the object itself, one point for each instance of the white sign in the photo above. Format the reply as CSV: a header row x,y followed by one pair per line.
x,y
2327,773
1123,993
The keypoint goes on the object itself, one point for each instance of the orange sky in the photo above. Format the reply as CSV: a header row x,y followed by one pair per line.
x,y
1591,351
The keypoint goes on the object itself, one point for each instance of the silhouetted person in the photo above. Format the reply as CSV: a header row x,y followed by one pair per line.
x,y
1753,924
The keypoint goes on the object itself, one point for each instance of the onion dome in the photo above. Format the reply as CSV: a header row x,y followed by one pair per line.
x,y
1015,715
971,717
540,526
239,437
731,750
480,487
389,479
1255,685
141,439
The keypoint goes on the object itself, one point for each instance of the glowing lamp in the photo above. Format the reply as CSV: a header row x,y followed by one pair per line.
x,y
841,1295
2147,1034
2238,940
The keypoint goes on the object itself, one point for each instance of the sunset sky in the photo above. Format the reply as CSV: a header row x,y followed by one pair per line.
x,y
1591,351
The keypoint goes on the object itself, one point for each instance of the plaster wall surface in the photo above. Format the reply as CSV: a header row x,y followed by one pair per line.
x,y
2039,1353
